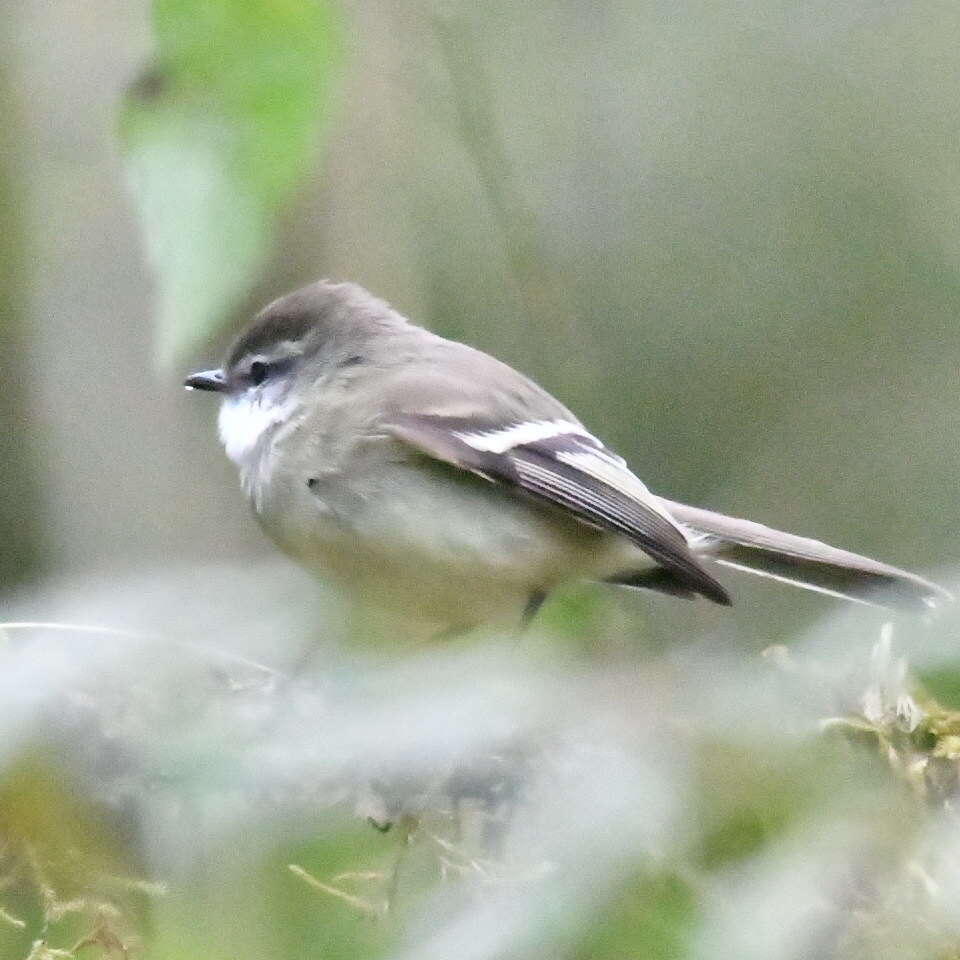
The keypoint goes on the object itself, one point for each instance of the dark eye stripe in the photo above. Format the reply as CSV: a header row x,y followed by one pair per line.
x,y
258,372
261,370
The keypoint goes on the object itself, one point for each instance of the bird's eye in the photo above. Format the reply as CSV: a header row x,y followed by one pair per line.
x,y
258,372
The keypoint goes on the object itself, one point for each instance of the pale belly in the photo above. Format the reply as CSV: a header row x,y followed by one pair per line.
x,y
436,547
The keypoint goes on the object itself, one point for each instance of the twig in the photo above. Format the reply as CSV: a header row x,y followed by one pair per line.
x,y
364,907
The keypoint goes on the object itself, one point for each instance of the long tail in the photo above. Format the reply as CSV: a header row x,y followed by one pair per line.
x,y
810,564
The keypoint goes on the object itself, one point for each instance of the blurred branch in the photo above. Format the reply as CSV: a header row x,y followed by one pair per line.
x,y
537,281
20,532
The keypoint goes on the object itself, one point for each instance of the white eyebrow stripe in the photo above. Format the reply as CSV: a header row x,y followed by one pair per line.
x,y
519,434
611,472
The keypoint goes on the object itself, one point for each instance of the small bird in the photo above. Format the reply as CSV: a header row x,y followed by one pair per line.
x,y
433,481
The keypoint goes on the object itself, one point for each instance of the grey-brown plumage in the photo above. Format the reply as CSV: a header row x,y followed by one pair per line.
x,y
434,480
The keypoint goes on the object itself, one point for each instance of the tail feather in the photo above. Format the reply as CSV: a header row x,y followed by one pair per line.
x,y
753,548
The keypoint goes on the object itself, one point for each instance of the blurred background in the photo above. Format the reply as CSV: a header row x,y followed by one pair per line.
x,y
727,235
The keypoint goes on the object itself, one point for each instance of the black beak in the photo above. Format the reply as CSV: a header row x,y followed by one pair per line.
x,y
206,380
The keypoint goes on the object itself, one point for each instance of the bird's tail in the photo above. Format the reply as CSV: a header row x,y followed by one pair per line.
x,y
810,564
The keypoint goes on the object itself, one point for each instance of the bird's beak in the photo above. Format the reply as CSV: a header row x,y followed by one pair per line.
x,y
206,380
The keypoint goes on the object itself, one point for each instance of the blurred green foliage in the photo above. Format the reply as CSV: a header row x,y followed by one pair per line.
x,y
651,917
218,133
198,805
67,865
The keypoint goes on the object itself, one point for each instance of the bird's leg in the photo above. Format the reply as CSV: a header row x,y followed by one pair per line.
x,y
534,602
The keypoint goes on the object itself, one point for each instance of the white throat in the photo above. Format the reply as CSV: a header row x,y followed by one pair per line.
x,y
246,419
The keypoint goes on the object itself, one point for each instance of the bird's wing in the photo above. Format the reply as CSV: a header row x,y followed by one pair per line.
x,y
558,462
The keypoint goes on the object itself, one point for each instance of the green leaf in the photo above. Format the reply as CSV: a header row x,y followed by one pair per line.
x,y
217,134
651,918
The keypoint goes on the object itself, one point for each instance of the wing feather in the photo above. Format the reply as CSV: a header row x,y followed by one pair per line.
x,y
559,463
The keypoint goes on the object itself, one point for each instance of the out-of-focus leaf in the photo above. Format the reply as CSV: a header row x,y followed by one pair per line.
x,y
652,918
255,906
217,134
328,926
944,684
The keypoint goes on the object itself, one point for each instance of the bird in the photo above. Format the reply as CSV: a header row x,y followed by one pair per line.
x,y
434,482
